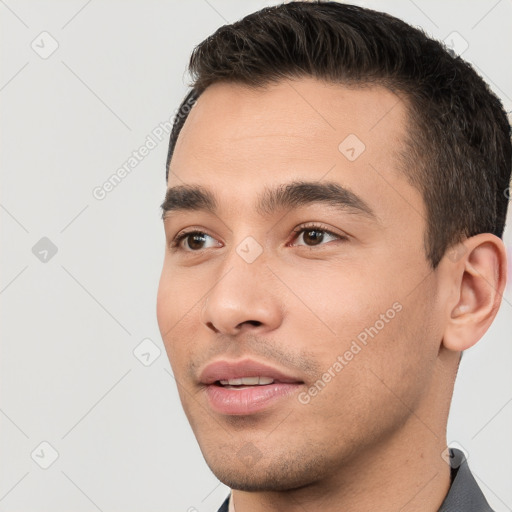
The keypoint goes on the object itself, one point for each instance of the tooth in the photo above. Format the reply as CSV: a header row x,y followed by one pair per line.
x,y
247,381
250,381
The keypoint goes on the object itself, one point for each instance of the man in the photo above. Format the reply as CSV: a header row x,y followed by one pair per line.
x,y
335,205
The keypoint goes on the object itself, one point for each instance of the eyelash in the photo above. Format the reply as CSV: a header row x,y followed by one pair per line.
x,y
176,242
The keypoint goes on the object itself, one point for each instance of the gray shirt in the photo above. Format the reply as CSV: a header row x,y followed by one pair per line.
x,y
464,494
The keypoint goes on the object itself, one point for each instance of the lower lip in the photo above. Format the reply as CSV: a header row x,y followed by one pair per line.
x,y
247,400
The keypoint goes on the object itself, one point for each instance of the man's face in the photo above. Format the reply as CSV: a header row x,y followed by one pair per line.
x,y
336,298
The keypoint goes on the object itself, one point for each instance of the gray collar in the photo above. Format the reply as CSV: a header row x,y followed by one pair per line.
x,y
464,494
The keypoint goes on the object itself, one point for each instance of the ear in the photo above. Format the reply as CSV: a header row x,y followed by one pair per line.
x,y
478,273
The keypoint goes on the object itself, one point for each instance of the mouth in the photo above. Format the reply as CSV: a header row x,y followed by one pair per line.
x,y
246,387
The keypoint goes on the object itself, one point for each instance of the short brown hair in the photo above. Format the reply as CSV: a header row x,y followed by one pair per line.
x,y
459,151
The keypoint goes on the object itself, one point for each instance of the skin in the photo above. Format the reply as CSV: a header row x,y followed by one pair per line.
x,y
376,432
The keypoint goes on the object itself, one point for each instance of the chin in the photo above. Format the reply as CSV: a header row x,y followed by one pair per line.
x,y
251,481
277,474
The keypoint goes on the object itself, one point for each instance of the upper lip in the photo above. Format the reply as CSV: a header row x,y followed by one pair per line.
x,y
225,370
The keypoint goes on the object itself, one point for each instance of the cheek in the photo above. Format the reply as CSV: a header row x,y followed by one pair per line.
x,y
366,316
339,301
177,296
164,303
174,308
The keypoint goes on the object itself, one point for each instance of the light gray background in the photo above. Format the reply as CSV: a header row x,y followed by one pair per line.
x,y
69,376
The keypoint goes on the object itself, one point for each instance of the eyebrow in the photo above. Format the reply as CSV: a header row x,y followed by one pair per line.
x,y
288,196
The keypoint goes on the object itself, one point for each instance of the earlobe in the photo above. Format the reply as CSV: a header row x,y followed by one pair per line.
x,y
480,274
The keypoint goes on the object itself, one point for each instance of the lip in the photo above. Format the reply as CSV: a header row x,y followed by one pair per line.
x,y
249,400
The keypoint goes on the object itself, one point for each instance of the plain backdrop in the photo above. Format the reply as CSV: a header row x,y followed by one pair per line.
x,y
90,418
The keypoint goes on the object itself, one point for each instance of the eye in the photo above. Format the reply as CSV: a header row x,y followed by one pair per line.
x,y
314,235
194,240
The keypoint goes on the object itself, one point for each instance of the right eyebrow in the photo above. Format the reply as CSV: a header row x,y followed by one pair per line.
x,y
188,198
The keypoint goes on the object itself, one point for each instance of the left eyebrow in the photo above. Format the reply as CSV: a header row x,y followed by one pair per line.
x,y
289,196
298,194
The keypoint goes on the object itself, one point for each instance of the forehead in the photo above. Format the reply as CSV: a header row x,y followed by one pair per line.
x,y
238,140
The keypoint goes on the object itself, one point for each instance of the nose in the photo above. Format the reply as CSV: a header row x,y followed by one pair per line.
x,y
242,299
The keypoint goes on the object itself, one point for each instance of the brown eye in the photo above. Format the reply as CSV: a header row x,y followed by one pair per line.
x,y
313,237
194,241
316,235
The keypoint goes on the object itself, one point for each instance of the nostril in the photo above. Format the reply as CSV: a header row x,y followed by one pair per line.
x,y
256,323
211,326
